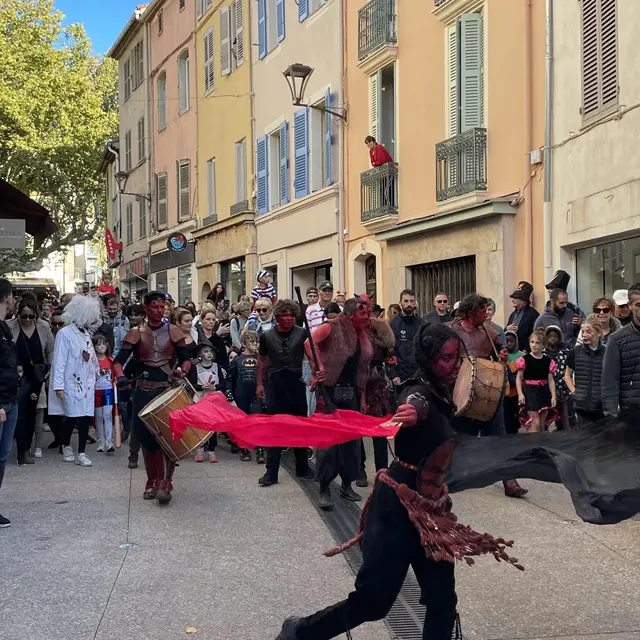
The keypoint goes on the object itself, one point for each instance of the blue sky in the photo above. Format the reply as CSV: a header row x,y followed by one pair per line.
x,y
103,19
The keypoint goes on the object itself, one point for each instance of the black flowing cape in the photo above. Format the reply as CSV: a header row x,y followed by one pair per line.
x,y
599,465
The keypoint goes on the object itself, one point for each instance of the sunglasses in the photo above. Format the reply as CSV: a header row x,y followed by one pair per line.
x,y
57,324
623,306
262,310
27,317
442,301
600,310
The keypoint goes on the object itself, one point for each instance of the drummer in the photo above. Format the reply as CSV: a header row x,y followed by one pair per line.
x,y
156,345
482,341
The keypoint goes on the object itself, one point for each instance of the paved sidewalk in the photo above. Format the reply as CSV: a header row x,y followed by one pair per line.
x,y
226,557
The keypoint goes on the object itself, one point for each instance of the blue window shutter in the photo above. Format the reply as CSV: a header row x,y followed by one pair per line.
x,y
301,145
284,162
327,140
303,10
262,28
263,174
280,19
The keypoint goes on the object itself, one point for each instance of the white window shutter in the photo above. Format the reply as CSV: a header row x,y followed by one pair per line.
x,y
199,7
471,56
239,26
184,199
241,170
452,81
374,105
225,41
209,78
161,193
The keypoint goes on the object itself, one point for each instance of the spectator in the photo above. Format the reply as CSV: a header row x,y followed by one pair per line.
x,y
440,312
218,298
561,280
511,412
558,314
621,374
105,286
191,306
208,334
265,319
136,315
378,312
119,322
264,288
491,311
332,310
604,309
405,327
623,313
47,308
243,309
8,384
523,317
340,299
377,153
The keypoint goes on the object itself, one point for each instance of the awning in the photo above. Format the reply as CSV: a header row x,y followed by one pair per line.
x,y
15,205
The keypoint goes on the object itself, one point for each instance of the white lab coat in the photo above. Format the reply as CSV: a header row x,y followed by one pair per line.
x,y
73,374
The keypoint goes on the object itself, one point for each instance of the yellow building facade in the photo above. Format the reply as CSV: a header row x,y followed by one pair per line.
x,y
226,239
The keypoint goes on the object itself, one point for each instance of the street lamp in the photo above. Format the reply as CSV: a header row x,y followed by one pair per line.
x,y
121,179
297,76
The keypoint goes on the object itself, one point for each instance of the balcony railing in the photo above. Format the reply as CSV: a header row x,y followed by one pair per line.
x,y
376,26
461,164
379,192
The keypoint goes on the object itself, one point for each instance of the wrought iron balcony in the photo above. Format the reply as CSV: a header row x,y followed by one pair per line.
x,y
379,192
376,26
461,164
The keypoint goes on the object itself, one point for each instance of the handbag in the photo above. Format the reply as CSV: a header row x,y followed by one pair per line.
x,y
39,371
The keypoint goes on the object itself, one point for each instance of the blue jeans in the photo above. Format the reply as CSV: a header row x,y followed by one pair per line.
x,y
7,429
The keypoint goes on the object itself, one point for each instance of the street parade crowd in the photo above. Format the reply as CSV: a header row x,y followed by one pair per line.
x,y
91,364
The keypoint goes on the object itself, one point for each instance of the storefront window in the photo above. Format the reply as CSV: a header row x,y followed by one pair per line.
x,y
234,279
161,281
604,268
184,284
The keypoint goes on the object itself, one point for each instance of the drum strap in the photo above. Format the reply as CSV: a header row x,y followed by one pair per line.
x,y
493,344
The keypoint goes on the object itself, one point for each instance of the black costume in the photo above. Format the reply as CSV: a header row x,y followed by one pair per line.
x,y
242,381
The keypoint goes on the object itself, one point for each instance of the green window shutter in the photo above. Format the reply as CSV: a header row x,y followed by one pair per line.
x,y
471,60
452,82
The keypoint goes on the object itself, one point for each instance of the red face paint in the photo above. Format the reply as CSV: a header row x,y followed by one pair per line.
x,y
447,363
155,312
285,321
361,317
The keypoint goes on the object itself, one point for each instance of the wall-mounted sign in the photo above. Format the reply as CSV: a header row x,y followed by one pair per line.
x,y
177,242
112,245
12,234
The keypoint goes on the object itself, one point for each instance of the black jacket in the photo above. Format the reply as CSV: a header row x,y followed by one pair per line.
x,y
587,374
106,330
525,326
405,329
8,368
621,371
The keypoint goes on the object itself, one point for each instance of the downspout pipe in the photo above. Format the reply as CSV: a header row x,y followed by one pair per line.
x,y
548,124
118,214
341,172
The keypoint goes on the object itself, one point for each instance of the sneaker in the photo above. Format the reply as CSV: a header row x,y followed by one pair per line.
x,y
28,458
46,428
362,481
200,455
37,453
100,448
67,455
83,461
4,522
212,457
108,447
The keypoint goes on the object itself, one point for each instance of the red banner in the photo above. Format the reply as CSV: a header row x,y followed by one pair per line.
x,y
112,245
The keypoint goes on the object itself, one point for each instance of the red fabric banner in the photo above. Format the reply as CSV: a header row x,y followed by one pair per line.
x,y
216,413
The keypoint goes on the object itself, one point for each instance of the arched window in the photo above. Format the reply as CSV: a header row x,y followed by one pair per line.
x,y
162,101
183,82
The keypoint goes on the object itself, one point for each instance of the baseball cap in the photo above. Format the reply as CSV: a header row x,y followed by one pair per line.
x,y
621,297
312,290
325,285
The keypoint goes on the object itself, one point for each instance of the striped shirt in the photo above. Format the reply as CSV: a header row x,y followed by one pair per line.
x,y
315,316
268,292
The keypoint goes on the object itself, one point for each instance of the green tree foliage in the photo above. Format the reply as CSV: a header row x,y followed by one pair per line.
x,y
58,107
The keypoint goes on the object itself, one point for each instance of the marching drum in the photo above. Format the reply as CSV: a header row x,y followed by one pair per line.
x,y
479,388
155,415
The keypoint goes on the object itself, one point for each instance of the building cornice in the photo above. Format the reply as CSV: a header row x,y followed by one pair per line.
x,y
127,34
226,223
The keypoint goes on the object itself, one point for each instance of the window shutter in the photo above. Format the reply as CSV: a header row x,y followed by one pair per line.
x,y
452,81
162,102
303,10
183,190
239,43
211,187
262,28
199,7
263,174
181,86
284,163
609,48
374,105
471,90
141,144
301,146
327,140
209,78
161,194
280,19
225,41
140,78
241,170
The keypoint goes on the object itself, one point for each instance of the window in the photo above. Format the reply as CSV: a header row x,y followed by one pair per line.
x,y
138,65
202,6
129,223
127,79
278,161
271,25
184,284
184,194
382,107
321,145
162,101
234,278
127,151
142,218
141,140
465,74
599,58
209,79
241,170
181,5
161,281
211,188
301,152
160,21
183,82
307,7
161,200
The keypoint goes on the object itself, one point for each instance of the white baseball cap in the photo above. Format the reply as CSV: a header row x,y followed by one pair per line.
x,y
621,297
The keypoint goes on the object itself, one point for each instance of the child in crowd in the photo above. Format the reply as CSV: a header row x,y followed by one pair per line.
x,y
210,379
536,387
103,412
243,372
583,376
559,353
265,288
511,418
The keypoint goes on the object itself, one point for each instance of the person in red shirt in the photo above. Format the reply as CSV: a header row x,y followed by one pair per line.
x,y
105,286
377,153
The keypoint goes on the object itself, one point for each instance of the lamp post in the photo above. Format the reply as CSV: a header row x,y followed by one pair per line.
x,y
297,76
121,179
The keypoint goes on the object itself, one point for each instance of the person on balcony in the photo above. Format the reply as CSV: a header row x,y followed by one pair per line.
x,y
377,153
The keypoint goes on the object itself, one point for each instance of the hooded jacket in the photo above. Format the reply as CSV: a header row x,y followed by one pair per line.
x,y
564,320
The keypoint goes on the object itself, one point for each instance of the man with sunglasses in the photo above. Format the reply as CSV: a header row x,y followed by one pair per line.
x,y
623,312
440,313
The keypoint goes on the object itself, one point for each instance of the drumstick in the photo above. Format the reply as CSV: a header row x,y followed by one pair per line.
x,y
117,438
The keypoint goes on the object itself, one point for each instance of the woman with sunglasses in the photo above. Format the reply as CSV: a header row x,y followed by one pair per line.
x,y
264,320
604,309
34,348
